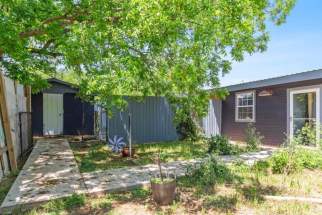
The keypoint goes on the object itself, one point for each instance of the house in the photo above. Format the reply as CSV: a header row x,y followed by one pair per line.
x,y
58,111
278,107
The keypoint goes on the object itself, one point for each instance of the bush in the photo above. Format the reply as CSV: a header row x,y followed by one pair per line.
x,y
210,173
220,145
262,166
187,129
253,138
286,162
311,159
306,135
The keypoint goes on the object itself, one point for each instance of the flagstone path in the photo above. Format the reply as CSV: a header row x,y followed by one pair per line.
x,y
51,172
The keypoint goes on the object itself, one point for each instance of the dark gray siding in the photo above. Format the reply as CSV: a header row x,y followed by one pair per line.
x,y
152,121
37,114
271,114
78,116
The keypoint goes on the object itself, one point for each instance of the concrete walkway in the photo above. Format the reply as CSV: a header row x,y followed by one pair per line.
x,y
51,172
127,178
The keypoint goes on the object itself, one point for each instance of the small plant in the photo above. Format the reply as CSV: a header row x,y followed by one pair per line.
x,y
210,173
253,138
187,128
311,159
285,162
161,177
116,144
262,166
220,145
163,185
306,135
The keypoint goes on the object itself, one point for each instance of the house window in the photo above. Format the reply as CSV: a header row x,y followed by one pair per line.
x,y
245,107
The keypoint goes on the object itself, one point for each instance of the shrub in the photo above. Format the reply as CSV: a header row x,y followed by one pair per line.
x,y
306,135
286,162
187,129
221,146
253,138
262,166
311,159
210,173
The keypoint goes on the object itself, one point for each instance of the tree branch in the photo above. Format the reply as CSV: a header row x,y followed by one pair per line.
x,y
45,52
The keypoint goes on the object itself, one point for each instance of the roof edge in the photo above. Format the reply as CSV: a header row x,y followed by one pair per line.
x,y
291,78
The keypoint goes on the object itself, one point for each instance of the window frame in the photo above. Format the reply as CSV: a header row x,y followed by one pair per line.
x,y
237,106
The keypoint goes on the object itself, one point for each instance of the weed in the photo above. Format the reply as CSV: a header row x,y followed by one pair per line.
x,y
222,203
253,138
220,145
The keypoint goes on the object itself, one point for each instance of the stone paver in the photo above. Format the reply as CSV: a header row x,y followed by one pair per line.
x,y
127,178
50,172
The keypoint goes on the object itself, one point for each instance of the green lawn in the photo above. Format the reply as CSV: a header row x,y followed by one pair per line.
x,y
92,156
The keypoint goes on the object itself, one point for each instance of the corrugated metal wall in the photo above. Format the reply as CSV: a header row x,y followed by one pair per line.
x,y
152,121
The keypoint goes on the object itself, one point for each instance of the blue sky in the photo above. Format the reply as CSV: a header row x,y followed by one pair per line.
x,y
295,46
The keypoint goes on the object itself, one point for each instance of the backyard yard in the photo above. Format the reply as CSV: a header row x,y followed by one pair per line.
x,y
233,189
213,188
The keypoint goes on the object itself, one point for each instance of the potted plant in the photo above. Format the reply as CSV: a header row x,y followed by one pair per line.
x,y
163,186
128,152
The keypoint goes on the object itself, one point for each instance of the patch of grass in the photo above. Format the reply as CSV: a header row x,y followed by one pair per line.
x,y
135,194
60,206
222,203
6,183
286,208
97,156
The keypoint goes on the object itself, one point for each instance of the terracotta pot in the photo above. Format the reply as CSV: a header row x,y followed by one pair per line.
x,y
126,151
164,193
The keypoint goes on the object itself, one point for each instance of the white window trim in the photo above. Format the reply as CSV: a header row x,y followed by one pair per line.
x,y
237,106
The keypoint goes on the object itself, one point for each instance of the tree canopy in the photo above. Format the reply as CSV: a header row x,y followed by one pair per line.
x,y
171,48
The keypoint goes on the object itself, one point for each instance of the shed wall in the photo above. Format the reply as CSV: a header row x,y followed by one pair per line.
x,y
78,116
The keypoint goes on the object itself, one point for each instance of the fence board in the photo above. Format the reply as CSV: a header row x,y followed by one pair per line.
x,y
6,123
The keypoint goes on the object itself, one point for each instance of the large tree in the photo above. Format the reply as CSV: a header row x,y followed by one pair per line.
x,y
172,48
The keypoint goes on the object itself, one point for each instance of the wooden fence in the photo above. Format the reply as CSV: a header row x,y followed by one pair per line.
x,y
15,124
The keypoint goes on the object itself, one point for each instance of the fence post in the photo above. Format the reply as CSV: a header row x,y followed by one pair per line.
x,y
6,123
28,98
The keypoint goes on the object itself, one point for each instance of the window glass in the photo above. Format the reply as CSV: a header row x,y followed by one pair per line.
x,y
245,107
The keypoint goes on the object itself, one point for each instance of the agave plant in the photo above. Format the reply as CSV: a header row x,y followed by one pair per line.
x,y
116,144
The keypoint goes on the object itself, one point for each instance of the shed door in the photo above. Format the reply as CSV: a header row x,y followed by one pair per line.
x,y
53,114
